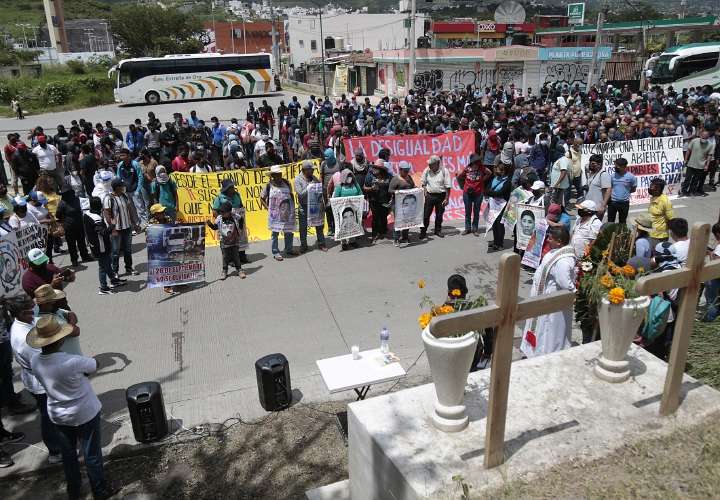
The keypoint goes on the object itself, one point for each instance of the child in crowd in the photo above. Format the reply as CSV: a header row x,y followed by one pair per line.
x,y
231,228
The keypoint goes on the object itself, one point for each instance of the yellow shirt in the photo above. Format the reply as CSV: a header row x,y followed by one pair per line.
x,y
661,211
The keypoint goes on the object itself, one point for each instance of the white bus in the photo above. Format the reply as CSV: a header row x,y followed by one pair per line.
x,y
685,66
195,76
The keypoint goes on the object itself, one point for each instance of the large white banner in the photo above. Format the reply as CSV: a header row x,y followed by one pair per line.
x,y
11,268
647,158
409,204
347,213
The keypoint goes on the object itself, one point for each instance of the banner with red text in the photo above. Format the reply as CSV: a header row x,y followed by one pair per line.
x,y
647,158
454,148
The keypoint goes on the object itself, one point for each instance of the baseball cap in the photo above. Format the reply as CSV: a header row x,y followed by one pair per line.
x,y
403,165
307,164
37,257
433,159
587,205
537,186
117,182
106,175
19,201
157,208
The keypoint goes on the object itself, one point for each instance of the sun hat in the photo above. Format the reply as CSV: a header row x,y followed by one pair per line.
x,y
587,205
644,222
537,186
226,185
47,331
276,169
157,208
46,293
37,257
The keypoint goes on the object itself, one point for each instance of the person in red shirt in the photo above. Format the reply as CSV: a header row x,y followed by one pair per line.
x,y
473,178
41,272
181,163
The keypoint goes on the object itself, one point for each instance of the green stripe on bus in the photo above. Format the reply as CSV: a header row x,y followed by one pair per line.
x,y
167,94
200,86
249,77
182,91
222,82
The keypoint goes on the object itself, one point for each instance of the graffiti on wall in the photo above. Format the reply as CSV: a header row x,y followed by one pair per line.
x,y
570,73
480,78
429,80
510,74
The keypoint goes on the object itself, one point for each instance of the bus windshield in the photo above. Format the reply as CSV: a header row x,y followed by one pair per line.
x,y
661,73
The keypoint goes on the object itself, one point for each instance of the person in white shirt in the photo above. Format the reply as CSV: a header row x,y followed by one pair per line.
x,y
21,218
71,404
22,310
49,159
586,228
678,229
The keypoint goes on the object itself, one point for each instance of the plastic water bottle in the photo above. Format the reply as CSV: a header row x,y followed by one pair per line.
x,y
385,341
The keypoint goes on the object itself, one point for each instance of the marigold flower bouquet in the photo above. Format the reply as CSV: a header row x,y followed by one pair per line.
x,y
455,302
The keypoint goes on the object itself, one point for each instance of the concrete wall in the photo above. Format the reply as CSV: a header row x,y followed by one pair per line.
x,y
361,31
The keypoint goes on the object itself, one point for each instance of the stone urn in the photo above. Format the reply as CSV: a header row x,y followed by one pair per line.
x,y
619,324
450,359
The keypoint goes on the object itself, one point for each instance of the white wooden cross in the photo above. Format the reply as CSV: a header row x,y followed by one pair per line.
x,y
688,280
506,311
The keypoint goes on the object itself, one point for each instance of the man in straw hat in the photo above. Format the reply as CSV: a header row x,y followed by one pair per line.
x,y
643,244
71,404
51,302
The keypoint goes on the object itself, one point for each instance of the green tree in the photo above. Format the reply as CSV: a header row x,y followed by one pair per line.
x,y
12,57
150,30
634,12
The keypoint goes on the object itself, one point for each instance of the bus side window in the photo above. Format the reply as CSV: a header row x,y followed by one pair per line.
x,y
697,63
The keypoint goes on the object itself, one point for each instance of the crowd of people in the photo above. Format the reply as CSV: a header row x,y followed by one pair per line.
x,y
94,187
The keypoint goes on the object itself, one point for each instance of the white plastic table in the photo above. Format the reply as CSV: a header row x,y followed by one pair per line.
x,y
343,373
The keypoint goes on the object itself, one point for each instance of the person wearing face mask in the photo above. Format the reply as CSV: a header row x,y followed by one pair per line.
x,y
586,228
69,213
121,217
598,183
436,182
697,161
397,183
301,183
498,186
347,186
377,189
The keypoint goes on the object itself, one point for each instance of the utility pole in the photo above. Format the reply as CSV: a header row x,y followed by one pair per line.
x,y
596,47
322,53
413,42
273,33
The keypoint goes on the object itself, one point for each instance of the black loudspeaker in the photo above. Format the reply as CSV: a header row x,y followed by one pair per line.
x,y
273,379
147,411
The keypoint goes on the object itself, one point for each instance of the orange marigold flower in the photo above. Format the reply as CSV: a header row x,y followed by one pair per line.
x,y
607,281
616,295
421,283
447,309
456,293
424,320
628,270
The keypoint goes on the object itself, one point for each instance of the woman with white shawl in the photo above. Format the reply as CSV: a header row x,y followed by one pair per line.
x,y
551,332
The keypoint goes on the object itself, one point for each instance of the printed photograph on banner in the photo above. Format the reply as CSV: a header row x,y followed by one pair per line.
x,y
518,195
647,158
315,205
348,216
490,209
527,217
243,241
533,251
176,254
11,268
409,205
281,209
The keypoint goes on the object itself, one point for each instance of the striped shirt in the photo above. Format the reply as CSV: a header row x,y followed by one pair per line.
x,y
119,209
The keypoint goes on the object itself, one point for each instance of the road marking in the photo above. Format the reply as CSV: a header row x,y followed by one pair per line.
x,y
636,210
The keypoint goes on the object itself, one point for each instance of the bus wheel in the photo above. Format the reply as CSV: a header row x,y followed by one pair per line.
x,y
152,97
237,91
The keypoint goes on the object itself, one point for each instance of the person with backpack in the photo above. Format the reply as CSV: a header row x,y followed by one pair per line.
x,y
98,237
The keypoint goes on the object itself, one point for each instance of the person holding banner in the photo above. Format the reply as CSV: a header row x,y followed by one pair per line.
x,y
472,181
348,187
377,189
397,183
277,198
232,229
311,205
437,184
498,187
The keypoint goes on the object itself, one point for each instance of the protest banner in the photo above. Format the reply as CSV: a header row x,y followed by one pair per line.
x,y
29,237
509,219
196,193
281,209
647,158
348,211
176,254
10,266
315,205
527,216
409,204
490,209
454,148
533,251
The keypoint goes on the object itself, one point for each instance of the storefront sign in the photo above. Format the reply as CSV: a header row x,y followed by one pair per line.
x,y
573,53
576,13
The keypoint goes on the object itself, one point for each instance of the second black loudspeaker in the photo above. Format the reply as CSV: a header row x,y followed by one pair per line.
x,y
273,379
